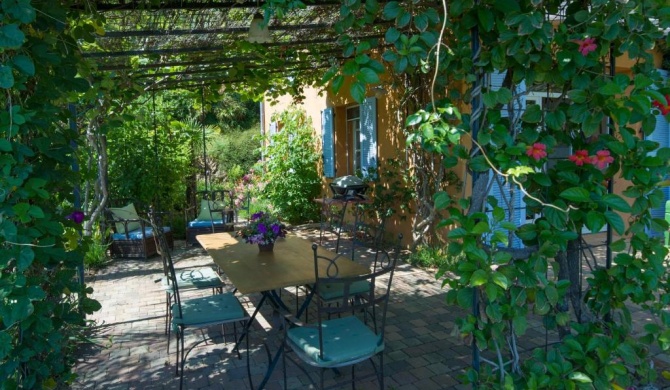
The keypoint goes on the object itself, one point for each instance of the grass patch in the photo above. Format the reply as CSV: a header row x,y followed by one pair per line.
x,y
431,257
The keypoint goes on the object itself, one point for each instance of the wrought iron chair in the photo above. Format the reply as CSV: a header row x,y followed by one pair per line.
x,y
357,334
215,213
198,313
198,278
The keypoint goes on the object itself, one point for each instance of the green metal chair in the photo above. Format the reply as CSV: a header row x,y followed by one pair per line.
x,y
667,218
357,334
198,313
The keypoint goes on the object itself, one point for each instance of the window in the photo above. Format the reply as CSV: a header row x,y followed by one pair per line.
x,y
353,139
350,141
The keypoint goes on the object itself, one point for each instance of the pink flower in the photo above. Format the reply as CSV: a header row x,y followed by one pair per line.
x,y
602,158
580,158
586,45
76,216
665,109
537,151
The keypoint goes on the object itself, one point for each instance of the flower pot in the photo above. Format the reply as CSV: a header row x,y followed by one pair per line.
x,y
266,247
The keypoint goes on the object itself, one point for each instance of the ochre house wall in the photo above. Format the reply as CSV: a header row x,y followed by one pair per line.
x,y
390,138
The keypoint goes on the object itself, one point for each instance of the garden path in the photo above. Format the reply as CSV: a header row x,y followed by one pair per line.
x,y
130,345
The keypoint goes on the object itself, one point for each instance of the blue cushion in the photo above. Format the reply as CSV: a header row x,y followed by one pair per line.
x,y
203,277
210,309
197,223
137,234
344,340
329,291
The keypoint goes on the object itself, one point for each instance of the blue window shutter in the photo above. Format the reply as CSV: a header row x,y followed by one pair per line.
x,y
509,193
661,134
328,148
509,199
368,134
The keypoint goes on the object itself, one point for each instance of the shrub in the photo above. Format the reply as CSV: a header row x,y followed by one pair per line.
x,y
291,175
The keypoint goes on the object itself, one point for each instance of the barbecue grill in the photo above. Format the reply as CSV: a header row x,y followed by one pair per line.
x,y
348,187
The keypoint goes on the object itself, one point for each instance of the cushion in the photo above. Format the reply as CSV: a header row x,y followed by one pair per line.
x,y
344,340
330,291
210,309
137,234
205,214
126,212
197,223
203,277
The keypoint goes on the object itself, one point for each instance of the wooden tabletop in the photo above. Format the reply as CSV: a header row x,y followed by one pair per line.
x,y
290,264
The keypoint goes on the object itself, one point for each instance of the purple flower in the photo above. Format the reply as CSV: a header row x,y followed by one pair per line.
x,y
76,216
262,229
276,229
257,216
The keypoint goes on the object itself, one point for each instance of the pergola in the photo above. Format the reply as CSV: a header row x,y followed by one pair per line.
x,y
196,43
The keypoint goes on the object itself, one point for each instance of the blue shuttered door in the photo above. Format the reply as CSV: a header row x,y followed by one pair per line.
x,y
661,135
508,195
328,142
369,134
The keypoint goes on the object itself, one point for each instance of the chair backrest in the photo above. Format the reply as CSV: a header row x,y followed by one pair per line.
x,y
370,300
168,266
218,201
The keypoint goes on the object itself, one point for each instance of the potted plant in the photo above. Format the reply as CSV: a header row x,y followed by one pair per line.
x,y
263,229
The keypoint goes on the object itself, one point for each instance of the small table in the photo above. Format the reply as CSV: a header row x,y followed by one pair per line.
x,y
291,263
342,203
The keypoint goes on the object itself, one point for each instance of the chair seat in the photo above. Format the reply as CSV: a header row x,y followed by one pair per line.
x,y
345,340
330,291
137,234
197,223
203,277
202,311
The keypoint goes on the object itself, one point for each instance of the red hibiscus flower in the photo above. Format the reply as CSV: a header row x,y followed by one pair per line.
x,y
537,151
586,45
602,158
580,158
665,109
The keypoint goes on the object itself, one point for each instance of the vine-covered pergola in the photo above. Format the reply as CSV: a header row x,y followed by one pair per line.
x,y
190,44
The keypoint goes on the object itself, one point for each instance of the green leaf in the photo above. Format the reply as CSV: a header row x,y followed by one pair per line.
x,y
391,10
338,81
357,91
26,257
464,298
442,200
580,377
576,194
480,228
555,120
627,353
478,278
616,202
6,77
501,280
19,9
486,19
392,35
421,22
533,114
457,233
24,64
11,37
368,76
520,325
610,89
615,221
552,294
595,221
5,145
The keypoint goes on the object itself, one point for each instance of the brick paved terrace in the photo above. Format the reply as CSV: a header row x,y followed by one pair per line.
x,y
129,349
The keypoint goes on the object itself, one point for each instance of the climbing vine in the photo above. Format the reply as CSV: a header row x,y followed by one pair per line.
x,y
604,115
42,302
